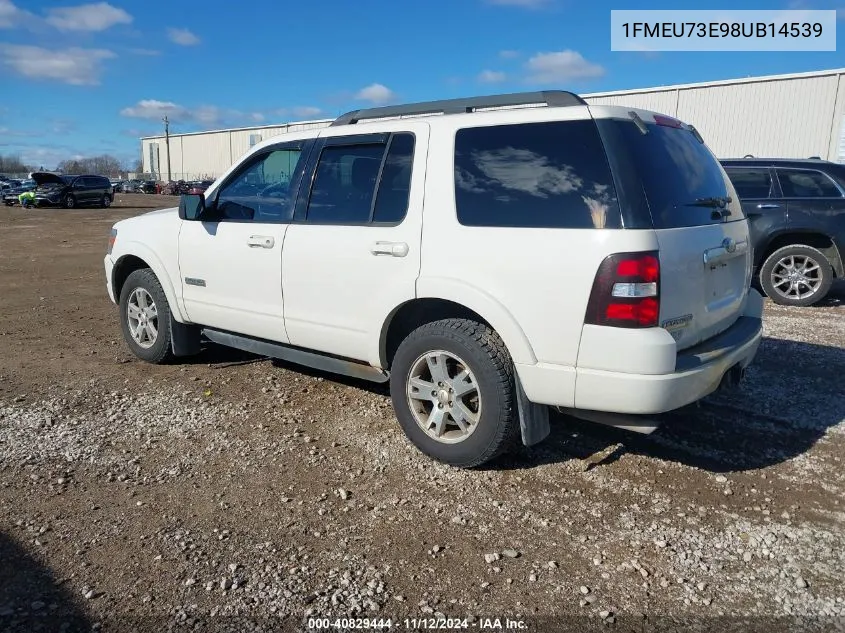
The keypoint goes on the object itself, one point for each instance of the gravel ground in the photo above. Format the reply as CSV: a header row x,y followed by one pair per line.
x,y
232,493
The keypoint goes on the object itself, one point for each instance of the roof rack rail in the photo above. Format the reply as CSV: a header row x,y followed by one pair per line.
x,y
551,98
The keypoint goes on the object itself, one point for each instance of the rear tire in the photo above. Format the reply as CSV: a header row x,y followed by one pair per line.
x,y
796,275
106,202
473,359
70,202
143,304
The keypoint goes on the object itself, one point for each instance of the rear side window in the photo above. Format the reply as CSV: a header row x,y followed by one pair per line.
x,y
395,184
751,184
802,183
537,175
675,171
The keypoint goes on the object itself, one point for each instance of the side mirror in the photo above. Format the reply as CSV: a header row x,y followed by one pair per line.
x,y
191,206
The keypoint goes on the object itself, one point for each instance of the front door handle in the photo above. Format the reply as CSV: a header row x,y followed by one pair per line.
x,y
260,241
395,249
768,206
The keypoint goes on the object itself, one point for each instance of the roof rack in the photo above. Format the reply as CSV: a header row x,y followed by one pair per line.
x,y
549,98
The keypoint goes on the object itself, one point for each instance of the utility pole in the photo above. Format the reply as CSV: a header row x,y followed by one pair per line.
x,y
167,143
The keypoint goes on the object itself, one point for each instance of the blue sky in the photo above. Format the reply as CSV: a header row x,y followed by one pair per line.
x,y
84,79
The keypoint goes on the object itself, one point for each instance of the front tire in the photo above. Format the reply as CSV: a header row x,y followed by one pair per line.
x,y
106,202
145,317
70,202
452,388
796,275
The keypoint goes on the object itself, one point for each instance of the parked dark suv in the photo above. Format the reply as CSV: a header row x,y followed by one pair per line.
x,y
72,191
796,216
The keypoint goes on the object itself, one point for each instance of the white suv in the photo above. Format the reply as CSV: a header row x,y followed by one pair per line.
x,y
487,258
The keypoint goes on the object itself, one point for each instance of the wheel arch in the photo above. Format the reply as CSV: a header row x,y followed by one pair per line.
x,y
806,237
138,257
447,298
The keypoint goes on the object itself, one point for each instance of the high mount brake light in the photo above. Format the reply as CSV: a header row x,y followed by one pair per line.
x,y
666,121
626,291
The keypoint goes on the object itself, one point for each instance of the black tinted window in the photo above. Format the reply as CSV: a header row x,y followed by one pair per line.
x,y
344,184
395,184
751,183
800,183
261,190
675,171
552,175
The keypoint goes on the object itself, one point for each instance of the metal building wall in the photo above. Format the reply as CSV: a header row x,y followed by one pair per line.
x,y
786,116
202,155
790,116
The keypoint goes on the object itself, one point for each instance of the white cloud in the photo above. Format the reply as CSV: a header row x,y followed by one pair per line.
x,y
183,37
209,115
508,54
526,4
306,111
12,15
375,93
491,76
203,116
155,109
87,17
5,131
548,68
75,66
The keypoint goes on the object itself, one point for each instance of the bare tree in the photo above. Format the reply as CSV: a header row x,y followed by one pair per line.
x,y
103,165
13,165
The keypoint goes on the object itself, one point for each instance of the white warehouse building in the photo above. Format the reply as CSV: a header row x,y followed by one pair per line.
x,y
787,116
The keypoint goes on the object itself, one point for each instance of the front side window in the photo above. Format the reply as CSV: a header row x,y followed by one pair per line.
x,y
751,184
801,183
344,184
538,175
261,191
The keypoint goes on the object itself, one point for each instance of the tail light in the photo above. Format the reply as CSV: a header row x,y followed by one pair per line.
x,y
112,240
626,291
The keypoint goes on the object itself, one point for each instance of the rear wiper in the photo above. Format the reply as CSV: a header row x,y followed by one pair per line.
x,y
716,203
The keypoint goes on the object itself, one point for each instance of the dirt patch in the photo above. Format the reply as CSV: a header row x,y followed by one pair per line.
x,y
227,489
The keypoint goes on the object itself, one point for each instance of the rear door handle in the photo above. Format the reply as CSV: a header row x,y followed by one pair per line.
x,y
260,241
768,206
395,249
728,250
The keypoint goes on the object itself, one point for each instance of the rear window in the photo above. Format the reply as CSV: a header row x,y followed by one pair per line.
x,y
674,170
538,175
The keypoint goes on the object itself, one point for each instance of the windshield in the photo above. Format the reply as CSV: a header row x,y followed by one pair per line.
x,y
683,182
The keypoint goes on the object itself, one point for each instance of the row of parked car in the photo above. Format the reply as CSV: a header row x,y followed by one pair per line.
x,y
133,186
72,190
174,188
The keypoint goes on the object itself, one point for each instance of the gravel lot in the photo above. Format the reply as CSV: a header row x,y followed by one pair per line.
x,y
229,492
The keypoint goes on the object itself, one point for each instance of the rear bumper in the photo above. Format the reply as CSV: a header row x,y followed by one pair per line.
x,y
694,374
698,373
